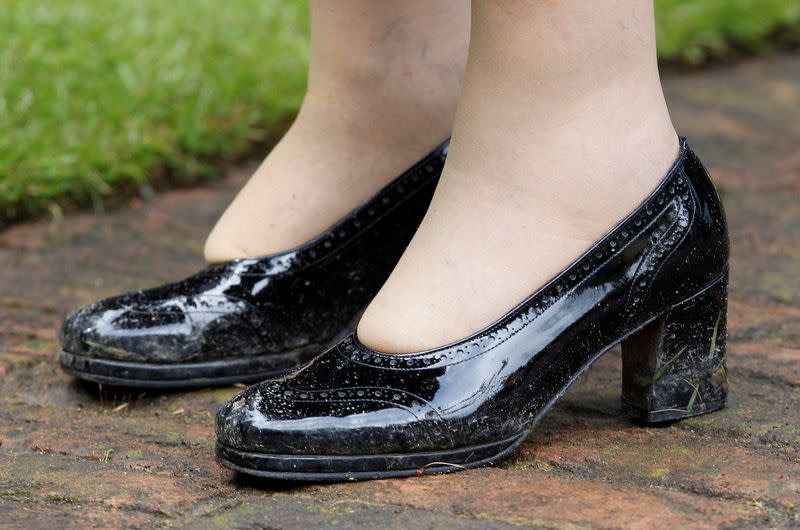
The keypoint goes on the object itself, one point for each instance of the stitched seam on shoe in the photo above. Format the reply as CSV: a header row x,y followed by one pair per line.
x,y
693,214
643,261
344,245
394,405
464,403
435,157
260,332
381,388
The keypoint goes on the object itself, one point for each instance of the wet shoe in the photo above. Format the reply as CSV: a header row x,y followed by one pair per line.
x,y
250,319
657,283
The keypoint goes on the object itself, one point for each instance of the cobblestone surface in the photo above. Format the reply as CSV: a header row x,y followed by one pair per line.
x,y
72,456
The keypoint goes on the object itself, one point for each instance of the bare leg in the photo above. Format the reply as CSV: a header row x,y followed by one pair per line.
x,y
561,131
384,81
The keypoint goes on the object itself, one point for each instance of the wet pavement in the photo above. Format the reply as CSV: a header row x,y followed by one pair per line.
x,y
73,456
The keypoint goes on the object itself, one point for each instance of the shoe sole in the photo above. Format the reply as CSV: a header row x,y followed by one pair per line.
x,y
179,375
340,468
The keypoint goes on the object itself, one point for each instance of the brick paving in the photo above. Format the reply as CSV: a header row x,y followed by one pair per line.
x,y
75,457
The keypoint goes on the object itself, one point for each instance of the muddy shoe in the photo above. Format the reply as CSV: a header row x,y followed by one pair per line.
x,y
657,283
251,319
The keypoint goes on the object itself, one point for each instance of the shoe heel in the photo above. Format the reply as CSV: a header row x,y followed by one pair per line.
x,y
675,367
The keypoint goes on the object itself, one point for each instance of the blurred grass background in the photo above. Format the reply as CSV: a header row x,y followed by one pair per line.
x,y
101,97
694,31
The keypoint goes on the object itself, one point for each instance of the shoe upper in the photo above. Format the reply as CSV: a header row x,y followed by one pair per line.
x,y
494,385
294,301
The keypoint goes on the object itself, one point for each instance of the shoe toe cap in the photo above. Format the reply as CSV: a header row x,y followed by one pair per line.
x,y
78,328
108,330
255,418
135,328
275,418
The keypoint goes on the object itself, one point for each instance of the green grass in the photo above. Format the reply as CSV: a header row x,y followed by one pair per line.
x,y
105,95
98,97
693,31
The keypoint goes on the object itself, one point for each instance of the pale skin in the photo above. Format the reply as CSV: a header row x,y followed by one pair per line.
x,y
561,130
384,79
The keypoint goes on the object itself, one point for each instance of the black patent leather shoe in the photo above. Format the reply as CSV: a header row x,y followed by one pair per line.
x,y
657,283
252,318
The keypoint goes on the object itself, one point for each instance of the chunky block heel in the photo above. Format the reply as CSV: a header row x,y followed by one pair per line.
x,y
675,367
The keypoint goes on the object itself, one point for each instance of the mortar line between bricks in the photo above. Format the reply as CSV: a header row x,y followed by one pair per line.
x,y
691,487
130,508
350,501
704,434
707,434
758,303
96,459
754,375
39,500
733,437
